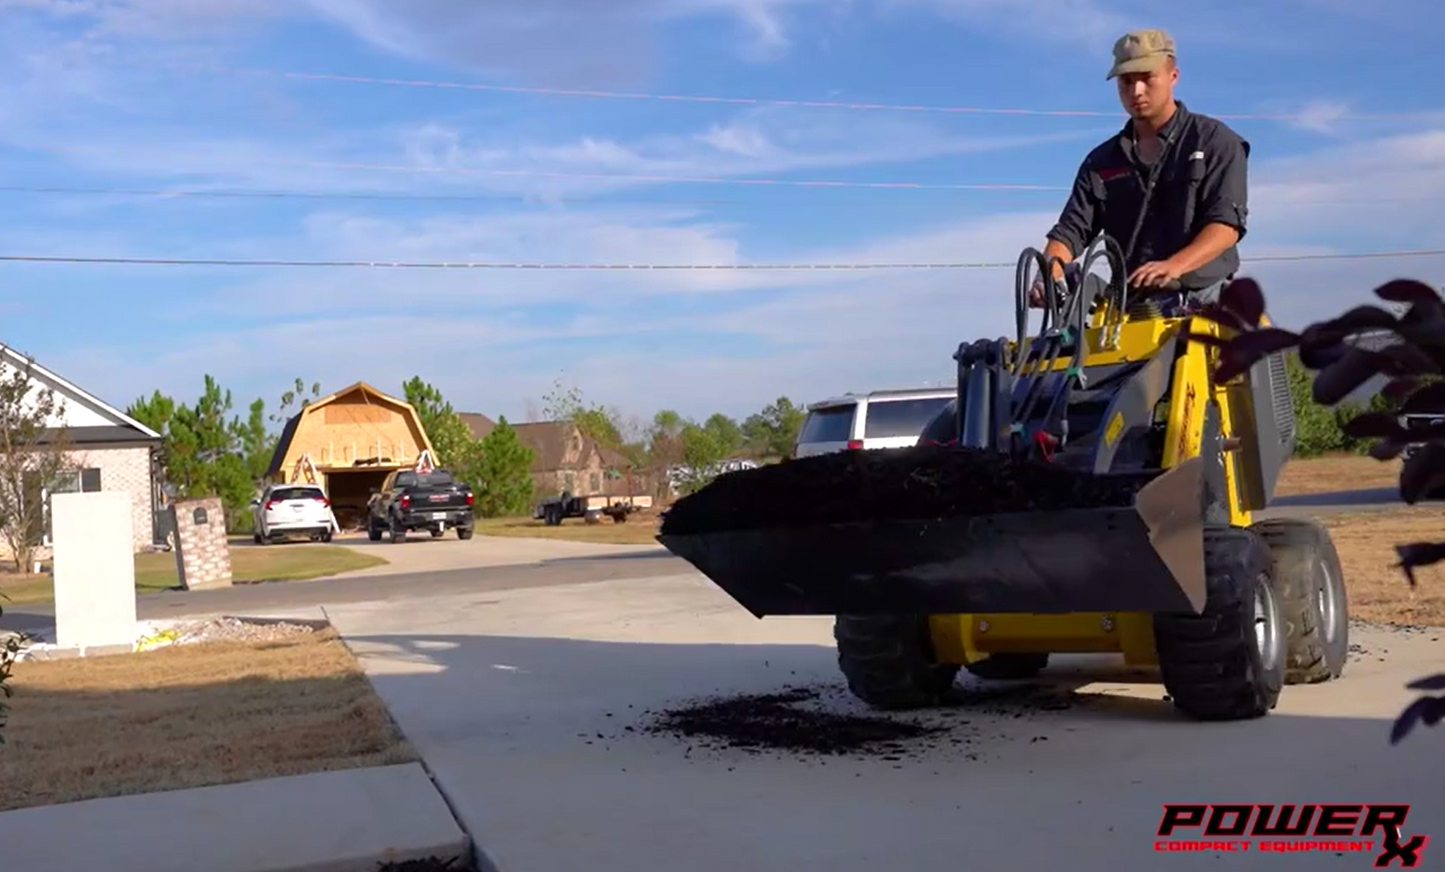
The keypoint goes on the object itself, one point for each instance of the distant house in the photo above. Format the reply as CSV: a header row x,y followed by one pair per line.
x,y
110,450
568,460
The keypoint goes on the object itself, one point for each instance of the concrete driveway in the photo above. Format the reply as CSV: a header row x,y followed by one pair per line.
x,y
532,708
420,553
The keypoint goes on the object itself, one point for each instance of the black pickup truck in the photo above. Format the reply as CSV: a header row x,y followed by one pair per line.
x,y
410,500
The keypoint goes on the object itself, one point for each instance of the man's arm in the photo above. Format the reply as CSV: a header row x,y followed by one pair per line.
x,y
1075,228
1213,240
1223,207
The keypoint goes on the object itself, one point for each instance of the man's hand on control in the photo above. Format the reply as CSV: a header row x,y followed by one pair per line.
x,y
1037,292
1155,274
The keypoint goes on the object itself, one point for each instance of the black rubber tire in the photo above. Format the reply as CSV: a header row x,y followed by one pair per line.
x,y
1311,585
1213,665
325,535
437,534
889,661
465,532
1009,666
373,532
397,531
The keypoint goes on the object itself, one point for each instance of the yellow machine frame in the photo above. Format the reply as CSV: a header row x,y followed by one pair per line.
x,y
970,638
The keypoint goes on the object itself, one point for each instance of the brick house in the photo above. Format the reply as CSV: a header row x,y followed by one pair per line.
x,y
110,450
568,460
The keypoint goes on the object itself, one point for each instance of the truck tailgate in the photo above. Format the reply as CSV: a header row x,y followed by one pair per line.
x,y
437,500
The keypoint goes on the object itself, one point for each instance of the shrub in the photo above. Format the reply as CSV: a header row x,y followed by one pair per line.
x,y
1411,367
9,651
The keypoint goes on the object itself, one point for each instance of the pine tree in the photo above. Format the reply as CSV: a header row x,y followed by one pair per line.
x,y
505,471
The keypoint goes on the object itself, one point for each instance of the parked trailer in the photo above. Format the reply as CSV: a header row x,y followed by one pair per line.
x,y
591,508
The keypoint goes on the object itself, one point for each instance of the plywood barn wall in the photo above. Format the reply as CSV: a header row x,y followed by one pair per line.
x,y
347,430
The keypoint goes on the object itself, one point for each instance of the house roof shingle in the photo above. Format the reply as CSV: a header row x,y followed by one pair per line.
x,y
479,424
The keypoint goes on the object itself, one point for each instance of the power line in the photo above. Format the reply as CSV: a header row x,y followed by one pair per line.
x,y
589,93
699,180
220,193
287,194
588,267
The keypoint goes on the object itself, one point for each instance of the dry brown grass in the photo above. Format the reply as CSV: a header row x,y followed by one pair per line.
x,y
190,716
1340,472
1377,588
639,529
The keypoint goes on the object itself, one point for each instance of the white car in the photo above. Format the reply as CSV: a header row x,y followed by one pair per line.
x,y
291,509
881,419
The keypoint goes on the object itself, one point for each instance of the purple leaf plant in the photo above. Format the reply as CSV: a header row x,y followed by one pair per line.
x,y
1411,367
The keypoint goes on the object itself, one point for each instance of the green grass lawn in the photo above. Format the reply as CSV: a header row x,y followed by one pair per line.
x,y
156,572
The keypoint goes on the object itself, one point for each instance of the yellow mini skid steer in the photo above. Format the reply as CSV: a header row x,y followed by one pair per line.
x,y
1090,490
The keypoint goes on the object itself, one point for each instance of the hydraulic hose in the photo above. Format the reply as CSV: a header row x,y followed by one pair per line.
x,y
1062,321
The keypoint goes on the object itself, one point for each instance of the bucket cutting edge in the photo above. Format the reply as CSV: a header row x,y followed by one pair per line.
x,y
1148,557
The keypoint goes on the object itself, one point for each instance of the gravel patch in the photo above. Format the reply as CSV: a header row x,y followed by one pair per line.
x,y
151,635
223,630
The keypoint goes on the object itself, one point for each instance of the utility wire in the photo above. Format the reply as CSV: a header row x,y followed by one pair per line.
x,y
517,265
746,101
282,194
699,180
288,194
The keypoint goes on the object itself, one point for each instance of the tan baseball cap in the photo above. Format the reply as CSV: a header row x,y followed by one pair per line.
x,y
1141,51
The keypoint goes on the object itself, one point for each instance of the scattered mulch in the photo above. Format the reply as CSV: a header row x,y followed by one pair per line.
x,y
774,721
888,484
427,864
792,722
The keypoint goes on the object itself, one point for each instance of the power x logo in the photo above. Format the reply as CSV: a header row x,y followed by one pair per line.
x,y
1369,828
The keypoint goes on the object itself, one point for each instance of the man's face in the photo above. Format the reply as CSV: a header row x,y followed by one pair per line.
x,y
1146,94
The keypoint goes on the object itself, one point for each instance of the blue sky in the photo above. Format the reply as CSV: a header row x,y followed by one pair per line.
x,y
187,95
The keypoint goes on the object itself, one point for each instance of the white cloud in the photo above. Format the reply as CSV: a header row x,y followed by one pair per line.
x,y
813,333
1321,116
1089,24
808,334
755,144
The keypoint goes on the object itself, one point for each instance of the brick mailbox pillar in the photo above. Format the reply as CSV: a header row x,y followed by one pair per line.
x,y
203,554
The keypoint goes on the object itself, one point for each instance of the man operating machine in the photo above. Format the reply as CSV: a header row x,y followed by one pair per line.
x,y
1171,186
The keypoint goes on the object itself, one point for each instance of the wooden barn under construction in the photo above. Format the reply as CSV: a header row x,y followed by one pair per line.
x,y
348,442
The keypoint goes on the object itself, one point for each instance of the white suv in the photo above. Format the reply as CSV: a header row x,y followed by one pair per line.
x,y
287,509
881,419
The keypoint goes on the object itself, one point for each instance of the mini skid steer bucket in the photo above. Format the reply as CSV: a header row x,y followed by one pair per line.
x,y
1089,491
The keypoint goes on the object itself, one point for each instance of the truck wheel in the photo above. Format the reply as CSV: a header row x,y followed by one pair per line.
x,y
1009,666
436,534
398,532
889,661
326,535
464,532
373,532
1311,586
1229,662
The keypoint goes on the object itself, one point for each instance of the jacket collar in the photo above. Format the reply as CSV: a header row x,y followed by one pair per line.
x,y
1167,133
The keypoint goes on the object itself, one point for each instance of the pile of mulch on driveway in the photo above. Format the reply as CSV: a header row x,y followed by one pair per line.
x,y
775,721
428,864
887,484
784,723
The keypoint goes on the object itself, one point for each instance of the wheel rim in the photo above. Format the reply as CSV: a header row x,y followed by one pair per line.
x,y
1266,631
1329,601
